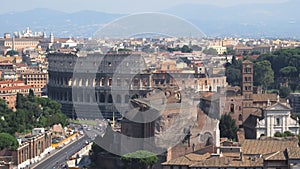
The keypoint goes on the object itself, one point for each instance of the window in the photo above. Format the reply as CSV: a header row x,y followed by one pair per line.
x,y
102,81
126,98
102,98
240,117
277,121
109,82
118,99
109,100
118,82
232,108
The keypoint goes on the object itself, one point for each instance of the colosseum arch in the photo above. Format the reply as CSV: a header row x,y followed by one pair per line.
x,y
102,98
109,99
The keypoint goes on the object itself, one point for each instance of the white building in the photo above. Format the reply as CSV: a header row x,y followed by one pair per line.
x,y
277,118
219,49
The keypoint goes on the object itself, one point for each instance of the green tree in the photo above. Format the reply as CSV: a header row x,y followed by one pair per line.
x,y
12,53
233,76
140,159
287,134
230,51
186,49
8,141
284,92
31,94
228,127
285,64
263,74
31,111
288,72
196,48
277,134
210,51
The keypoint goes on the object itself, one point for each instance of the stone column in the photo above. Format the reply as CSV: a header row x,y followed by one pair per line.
x,y
272,126
268,127
140,83
286,123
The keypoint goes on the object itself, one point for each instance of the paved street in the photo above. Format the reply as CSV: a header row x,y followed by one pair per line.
x,y
58,160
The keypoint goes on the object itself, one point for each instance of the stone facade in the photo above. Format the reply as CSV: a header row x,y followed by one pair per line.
x,y
9,90
33,149
86,84
35,78
277,118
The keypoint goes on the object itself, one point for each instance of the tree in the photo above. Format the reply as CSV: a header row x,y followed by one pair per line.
x,y
140,159
285,64
31,94
31,111
288,72
196,48
228,127
234,62
263,74
230,51
19,101
8,141
12,53
284,92
287,134
233,76
210,51
277,134
186,49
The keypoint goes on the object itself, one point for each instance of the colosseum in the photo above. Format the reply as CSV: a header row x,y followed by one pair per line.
x,y
88,85
101,86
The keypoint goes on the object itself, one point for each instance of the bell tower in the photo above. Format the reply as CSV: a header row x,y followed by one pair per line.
x,y
247,83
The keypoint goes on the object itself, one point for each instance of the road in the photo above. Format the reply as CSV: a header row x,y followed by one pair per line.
x,y
59,158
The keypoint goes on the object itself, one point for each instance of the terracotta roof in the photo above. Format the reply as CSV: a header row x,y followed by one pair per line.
x,y
253,111
11,81
264,147
264,97
246,61
232,154
187,159
212,96
279,155
16,87
230,162
293,153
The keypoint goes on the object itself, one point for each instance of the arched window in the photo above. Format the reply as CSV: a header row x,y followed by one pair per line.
x,y
126,98
240,117
110,99
102,98
118,99
232,108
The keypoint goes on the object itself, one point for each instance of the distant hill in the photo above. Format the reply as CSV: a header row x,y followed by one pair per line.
x,y
253,20
62,24
243,20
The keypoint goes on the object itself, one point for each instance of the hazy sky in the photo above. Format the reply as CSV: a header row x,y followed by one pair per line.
x,y
114,6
